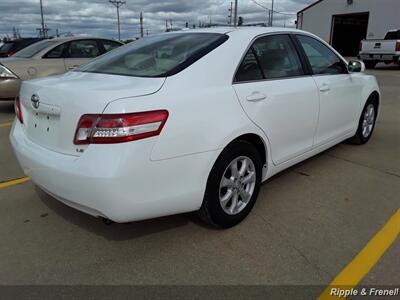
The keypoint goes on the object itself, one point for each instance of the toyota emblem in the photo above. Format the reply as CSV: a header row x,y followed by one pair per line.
x,y
35,100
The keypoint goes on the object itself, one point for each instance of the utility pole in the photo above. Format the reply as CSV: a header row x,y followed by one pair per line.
x,y
235,13
141,24
230,14
272,13
44,31
118,4
269,17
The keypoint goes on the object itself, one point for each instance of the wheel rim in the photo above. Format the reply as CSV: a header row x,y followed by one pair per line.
x,y
237,185
368,120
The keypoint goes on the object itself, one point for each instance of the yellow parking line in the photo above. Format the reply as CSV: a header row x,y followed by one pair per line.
x,y
13,182
356,270
5,125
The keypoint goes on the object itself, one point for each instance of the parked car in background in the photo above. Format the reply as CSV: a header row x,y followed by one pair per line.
x,y
189,121
11,47
386,50
48,57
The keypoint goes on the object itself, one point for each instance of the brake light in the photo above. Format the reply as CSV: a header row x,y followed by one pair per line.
x,y
119,128
17,108
397,46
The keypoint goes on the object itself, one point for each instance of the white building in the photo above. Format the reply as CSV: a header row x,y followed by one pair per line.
x,y
344,23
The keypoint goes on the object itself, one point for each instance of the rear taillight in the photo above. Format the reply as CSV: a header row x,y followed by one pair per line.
x,y
18,111
398,46
119,128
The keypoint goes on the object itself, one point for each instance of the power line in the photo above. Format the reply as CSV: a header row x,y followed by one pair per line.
x,y
118,4
275,11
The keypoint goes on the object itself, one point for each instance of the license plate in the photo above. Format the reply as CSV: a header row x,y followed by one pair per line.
x,y
41,122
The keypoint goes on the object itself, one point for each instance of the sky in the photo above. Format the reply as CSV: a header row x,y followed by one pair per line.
x,y
99,17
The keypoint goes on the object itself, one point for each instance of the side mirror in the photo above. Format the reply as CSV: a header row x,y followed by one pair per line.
x,y
356,66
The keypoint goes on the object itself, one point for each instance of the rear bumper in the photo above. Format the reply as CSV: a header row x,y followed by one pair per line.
x,y
9,89
379,57
124,187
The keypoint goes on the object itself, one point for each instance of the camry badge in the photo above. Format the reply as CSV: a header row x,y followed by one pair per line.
x,y
35,100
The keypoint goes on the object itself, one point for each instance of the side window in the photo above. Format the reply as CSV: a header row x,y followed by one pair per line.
x,y
109,45
249,69
278,57
57,52
83,49
322,59
270,57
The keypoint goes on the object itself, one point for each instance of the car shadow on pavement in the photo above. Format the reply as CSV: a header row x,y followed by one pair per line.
x,y
112,231
132,230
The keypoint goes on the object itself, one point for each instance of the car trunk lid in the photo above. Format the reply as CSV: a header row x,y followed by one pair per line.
x,y
52,106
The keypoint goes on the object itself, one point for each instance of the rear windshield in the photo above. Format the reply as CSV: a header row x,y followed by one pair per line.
x,y
156,56
393,35
35,48
6,48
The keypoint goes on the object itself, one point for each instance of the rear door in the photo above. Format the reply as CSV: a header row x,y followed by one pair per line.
x,y
339,91
80,52
277,94
53,62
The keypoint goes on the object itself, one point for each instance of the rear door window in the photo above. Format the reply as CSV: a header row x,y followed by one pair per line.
x,y
57,52
83,49
270,57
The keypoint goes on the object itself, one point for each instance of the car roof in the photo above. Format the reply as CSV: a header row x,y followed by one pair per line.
x,y
248,30
77,38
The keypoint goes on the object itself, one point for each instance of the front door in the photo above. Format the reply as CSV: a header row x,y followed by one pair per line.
x,y
339,91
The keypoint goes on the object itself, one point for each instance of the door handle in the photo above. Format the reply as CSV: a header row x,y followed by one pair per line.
x,y
72,67
324,88
256,96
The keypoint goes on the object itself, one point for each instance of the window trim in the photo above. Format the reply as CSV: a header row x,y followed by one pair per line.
x,y
295,36
250,46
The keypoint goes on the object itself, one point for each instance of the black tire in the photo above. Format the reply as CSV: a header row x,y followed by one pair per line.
x,y
211,211
359,138
370,64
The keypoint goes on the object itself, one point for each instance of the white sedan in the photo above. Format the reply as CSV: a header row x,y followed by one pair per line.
x,y
189,121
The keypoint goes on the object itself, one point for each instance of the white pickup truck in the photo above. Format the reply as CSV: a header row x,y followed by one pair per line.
x,y
386,50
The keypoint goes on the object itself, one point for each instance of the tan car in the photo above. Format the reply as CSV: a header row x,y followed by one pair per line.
x,y
48,57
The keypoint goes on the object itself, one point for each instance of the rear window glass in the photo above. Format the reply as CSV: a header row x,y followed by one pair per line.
x,y
34,49
156,56
392,35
